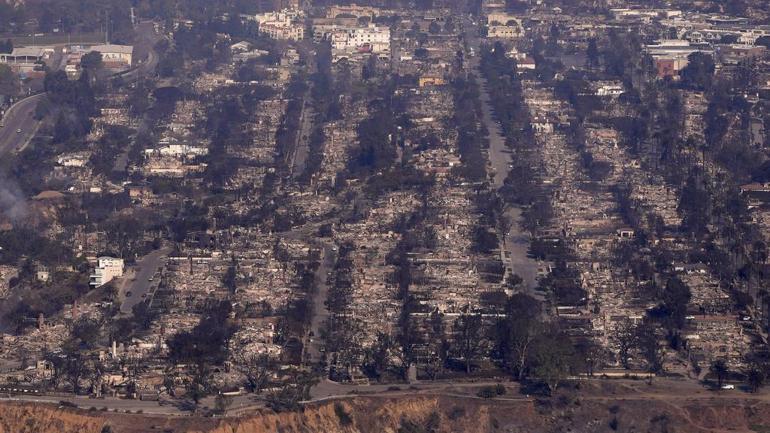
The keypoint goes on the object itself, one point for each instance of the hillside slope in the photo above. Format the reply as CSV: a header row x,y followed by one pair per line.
x,y
425,413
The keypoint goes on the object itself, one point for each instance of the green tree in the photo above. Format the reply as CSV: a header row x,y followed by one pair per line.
x,y
591,355
86,332
649,344
377,357
699,72
674,300
592,54
256,368
552,359
294,390
9,81
469,338
198,386
518,332
75,367
7,46
91,61
755,377
230,278
222,403
720,370
625,337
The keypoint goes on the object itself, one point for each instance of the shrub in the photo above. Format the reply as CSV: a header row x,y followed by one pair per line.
x,y
491,391
487,392
342,414
456,413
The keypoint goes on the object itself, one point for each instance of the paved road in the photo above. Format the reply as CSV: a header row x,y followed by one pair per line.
x,y
320,312
116,404
516,243
145,42
675,391
145,269
302,145
20,116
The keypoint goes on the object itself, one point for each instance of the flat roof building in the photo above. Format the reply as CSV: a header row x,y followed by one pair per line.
x,y
107,269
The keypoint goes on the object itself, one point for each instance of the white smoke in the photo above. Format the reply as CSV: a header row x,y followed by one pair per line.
x,y
12,203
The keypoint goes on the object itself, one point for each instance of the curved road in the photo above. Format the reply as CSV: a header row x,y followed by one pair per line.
x,y
146,40
19,116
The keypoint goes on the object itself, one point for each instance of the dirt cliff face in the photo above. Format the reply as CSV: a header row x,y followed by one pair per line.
x,y
388,415
427,414
17,418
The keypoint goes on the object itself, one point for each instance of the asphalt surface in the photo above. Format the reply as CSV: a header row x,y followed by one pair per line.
x,y
302,146
19,116
145,42
516,243
140,286
320,312
661,389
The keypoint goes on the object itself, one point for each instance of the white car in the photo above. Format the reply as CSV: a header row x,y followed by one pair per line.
x,y
728,386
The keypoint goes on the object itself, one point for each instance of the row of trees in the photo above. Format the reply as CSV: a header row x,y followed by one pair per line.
x,y
378,135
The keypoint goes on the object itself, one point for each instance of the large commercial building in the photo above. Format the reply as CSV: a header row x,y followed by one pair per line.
x,y
347,40
107,269
504,26
27,59
287,24
115,55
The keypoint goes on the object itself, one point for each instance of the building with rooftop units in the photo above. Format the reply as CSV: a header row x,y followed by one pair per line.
x,y
107,269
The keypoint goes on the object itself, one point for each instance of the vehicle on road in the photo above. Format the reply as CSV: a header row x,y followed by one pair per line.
x,y
18,131
728,386
128,294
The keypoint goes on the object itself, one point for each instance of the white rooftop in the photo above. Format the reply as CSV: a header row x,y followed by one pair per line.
x,y
111,48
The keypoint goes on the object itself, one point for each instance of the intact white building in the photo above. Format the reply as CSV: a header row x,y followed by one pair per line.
x,y
504,32
283,15
502,19
504,26
375,37
117,55
286,24
348,39
26,59
107,269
